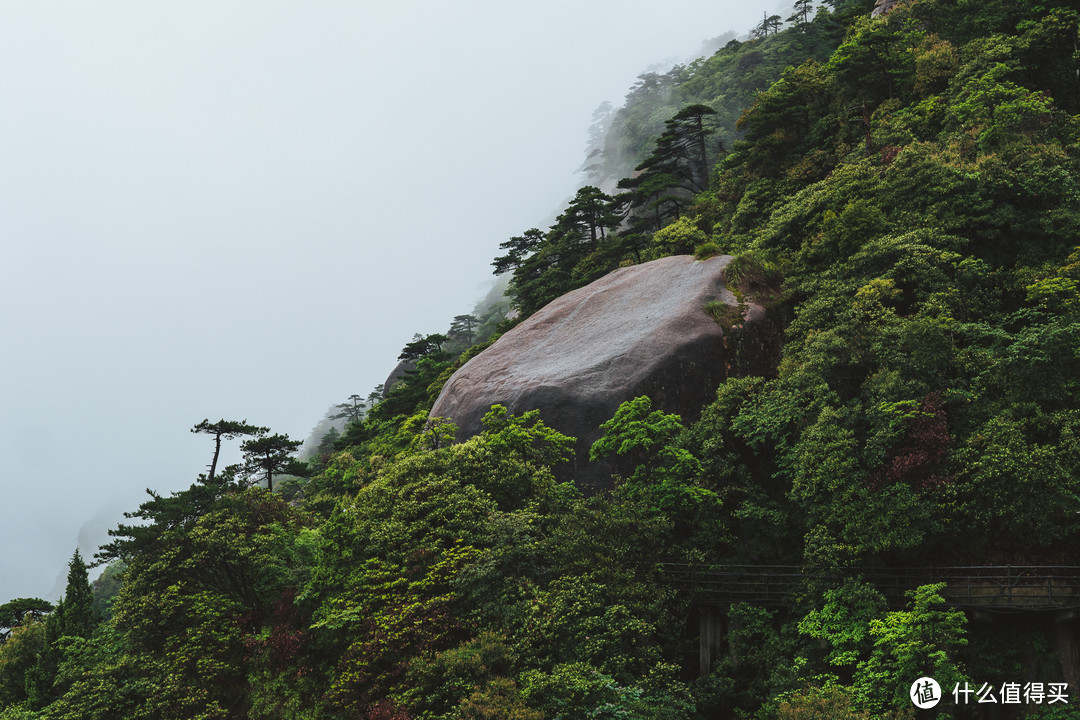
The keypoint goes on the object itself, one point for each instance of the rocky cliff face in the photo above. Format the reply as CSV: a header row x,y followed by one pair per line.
x,y
640,330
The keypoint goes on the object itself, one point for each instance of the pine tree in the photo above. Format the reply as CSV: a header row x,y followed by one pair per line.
x,y
375,396
15,612
74,616
769,23
354,412
587,218
518,249
463,329
676,170
326,444
425,346
269,456
229,429
800,15
42,676
80,617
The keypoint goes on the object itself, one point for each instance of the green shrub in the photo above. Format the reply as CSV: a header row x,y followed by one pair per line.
x,y
814,703
726,316
707,250
754,275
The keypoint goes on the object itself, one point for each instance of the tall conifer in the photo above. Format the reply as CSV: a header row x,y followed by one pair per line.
x,y
80,617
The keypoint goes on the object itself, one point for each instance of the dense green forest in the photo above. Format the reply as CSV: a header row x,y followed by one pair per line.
x,y
903,194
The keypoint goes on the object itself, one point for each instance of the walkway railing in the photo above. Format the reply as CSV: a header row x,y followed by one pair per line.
x,y
986,587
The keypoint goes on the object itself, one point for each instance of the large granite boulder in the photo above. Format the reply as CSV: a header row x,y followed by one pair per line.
x,y
398,374
640,330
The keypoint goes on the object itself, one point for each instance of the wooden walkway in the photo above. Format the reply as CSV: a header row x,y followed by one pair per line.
x,y
997,588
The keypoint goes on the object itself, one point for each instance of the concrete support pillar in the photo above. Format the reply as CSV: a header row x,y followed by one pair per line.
x,y
1067,648
710,637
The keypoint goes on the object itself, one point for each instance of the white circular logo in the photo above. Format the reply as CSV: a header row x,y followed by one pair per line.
x,y
925,693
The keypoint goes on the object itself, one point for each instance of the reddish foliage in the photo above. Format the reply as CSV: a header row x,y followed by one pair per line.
x,y
287,634
927,440
283,647
418,562
265,508
889,153
248,622
386,710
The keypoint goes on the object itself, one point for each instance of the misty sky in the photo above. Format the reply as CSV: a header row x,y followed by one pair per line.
x,y
245,209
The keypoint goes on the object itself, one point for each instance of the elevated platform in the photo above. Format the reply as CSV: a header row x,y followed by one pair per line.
x,y
991,588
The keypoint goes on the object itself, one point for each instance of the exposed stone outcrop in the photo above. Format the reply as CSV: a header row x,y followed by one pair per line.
x,y
638,330
398,374
882,7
